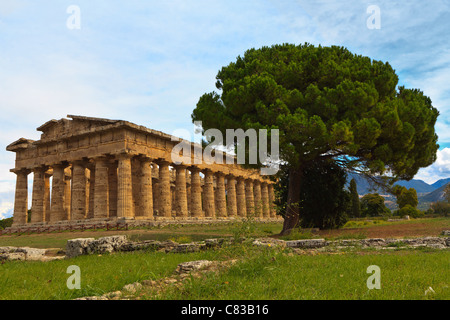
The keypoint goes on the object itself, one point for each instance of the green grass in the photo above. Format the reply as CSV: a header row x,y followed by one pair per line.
x,y
272,275
260,273
99,274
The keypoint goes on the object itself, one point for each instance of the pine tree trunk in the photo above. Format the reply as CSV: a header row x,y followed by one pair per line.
x,y
291,219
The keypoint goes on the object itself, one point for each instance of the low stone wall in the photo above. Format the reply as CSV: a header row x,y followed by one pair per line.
x,y
23,253
378,243
76,247
86,246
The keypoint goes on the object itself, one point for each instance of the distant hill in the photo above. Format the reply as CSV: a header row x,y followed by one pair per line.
x,y
419,185
436,195
364,186
440,183
426,193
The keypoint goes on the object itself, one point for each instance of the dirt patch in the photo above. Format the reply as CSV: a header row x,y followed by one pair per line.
x,y
399,230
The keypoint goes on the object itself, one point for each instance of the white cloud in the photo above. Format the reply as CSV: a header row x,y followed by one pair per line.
x,y
440,169
6,209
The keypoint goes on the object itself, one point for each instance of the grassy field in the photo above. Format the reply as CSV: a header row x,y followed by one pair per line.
x,y
260,273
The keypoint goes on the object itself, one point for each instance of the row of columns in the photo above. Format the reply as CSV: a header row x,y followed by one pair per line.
x,y
122,186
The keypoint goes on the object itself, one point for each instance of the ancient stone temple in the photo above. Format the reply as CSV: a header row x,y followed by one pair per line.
x,y
92,169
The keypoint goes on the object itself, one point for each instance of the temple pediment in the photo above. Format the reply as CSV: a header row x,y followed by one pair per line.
x,y
19,144
64,127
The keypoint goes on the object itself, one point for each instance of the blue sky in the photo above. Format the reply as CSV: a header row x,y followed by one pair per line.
x,y
148,62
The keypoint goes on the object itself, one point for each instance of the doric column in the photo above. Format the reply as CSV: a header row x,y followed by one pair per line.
x,y
258,202
155,188
146,190
231,196
265,200
101,195
47,196
112,187
165,197
91,194
250,197
221,195
181,192
240,197
196,193
79,203
67,194
272,206
58,192
37,202
124,192
21,198
210,208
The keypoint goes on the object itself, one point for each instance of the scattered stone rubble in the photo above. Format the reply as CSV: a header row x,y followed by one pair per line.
x,y
25,253
183,272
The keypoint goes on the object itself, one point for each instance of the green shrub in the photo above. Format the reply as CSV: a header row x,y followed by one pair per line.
x,y
441,208
408,210
6,223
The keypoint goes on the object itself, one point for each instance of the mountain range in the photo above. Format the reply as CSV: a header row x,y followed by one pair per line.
x,y
426,192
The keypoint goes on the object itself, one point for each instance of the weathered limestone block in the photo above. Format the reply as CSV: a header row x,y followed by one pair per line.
x,y
12,256
446,233
190,266
32,253
187,247
78,247
107,244
142,245
373,242
132,287
308,243
21,253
